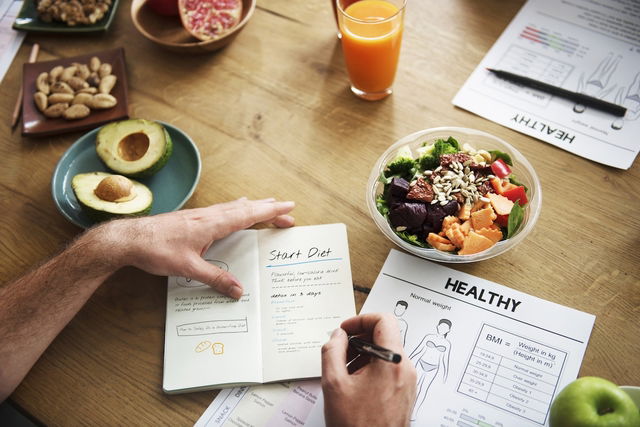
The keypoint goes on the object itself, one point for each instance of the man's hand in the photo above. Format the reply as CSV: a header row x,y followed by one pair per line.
x,y
38,305
173,244
378,394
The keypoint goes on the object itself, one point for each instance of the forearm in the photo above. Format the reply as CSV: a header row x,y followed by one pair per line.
x,y
36,307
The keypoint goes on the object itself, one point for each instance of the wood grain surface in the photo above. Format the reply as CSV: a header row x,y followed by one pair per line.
x,y
272,116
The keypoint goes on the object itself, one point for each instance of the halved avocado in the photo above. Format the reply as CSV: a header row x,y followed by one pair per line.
x,y
136,148
105,196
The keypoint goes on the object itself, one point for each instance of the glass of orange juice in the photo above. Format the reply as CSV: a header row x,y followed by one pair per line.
x,y
371,38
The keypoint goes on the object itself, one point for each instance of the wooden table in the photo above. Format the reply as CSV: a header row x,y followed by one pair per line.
x,y
273,116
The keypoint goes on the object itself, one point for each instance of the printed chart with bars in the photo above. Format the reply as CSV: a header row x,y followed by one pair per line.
x,y
554,41
535,65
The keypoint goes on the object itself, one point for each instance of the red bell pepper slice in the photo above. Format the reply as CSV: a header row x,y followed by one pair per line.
x,y
516,193
502,220
500,168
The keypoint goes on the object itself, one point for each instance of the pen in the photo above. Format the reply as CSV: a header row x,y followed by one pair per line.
x,y
581,98
363,346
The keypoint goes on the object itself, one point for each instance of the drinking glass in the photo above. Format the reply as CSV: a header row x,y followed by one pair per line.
x,y
371,38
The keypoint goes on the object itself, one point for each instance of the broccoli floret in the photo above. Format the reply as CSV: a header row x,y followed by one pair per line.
x,y
451,141
402,165
431,157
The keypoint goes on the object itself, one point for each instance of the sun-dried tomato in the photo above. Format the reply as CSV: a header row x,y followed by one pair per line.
x,y
421,190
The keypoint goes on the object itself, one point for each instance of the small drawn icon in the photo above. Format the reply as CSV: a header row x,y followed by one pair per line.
x,y
218,348
203,346
431,359
401,307
187,282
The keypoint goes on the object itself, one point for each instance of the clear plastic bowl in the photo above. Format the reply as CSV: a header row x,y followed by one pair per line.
x,y
522,169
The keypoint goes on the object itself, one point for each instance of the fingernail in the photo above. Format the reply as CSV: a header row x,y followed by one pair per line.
x,y
288,204
235,292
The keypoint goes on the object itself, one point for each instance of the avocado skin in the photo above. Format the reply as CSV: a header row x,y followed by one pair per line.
x,y
100,216
151,170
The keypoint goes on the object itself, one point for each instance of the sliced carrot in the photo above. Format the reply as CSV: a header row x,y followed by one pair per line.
x,y
501,185
479,205
465,227
474,243
464,212
482,218
440,242
447,222
492,233
455,235
500,204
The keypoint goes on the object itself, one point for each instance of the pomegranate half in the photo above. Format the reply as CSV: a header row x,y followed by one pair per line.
x,y
209,19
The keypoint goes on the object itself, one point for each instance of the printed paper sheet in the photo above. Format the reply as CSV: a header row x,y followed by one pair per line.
x,y
588,46
485,354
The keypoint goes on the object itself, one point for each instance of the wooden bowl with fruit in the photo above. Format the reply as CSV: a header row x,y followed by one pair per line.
x,y
191,26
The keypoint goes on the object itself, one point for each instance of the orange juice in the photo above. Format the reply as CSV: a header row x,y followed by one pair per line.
x,y
371,38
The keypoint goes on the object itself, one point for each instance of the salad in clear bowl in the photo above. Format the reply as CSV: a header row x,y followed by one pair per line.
x,y
454,194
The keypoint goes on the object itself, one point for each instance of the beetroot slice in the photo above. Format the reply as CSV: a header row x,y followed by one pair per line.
x,y
209,19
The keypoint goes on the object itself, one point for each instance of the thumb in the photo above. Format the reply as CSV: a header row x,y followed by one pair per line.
x,y
220,280
334,359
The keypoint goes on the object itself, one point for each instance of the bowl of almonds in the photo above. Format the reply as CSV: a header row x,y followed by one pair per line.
x,y
74,94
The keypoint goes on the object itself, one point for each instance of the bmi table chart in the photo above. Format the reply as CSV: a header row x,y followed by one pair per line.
x,y
513,373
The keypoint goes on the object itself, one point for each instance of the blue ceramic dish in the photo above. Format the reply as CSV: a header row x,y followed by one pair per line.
x,y
172,186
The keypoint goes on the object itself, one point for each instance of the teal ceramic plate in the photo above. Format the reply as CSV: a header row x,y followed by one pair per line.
x,y
27,20
171,187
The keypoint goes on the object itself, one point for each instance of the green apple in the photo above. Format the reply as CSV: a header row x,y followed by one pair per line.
x,y
593,402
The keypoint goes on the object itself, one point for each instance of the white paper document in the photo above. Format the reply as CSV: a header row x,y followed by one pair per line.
x,y
485,354
296,403
297,290
10,39
587,46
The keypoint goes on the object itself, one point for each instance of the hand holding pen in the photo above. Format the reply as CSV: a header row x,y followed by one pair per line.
x,y
370,349
377,393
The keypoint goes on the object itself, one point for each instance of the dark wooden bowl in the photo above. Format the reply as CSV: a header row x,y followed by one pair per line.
x,y
168,32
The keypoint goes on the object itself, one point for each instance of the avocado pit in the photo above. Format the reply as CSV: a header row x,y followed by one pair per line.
x,y
133,146
115,188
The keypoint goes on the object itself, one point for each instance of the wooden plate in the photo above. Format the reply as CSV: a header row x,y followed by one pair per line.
x,y
168,32
34,123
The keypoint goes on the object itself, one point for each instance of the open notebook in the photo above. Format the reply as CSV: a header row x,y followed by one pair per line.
x,y
297,289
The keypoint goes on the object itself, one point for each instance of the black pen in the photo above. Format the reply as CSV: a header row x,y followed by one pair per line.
x,y
362,346
580,98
